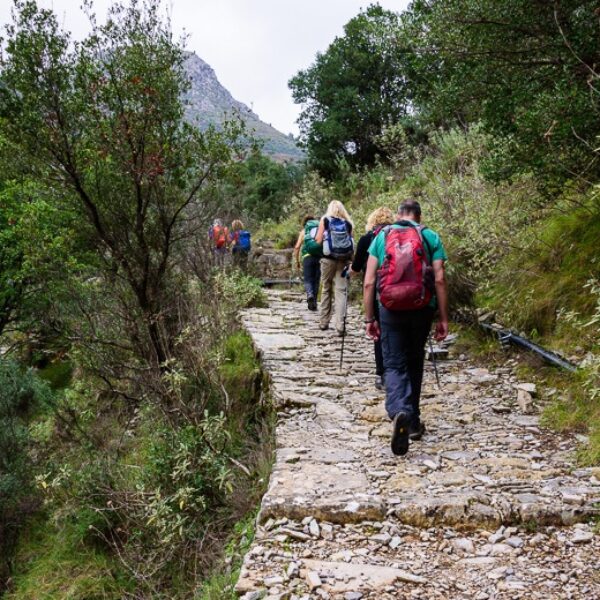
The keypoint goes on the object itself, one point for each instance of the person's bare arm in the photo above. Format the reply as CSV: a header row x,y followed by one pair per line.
x,y
369,284
297,247
320,231
441,290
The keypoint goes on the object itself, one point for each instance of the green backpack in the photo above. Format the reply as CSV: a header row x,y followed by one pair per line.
x,y
310,245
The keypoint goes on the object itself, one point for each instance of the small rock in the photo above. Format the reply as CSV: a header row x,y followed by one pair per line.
x,y
352,596
383,538
253,595
292,570
272,581
497,536
313,580
314,529
515,542
524,400
530,388
582,537
395,542
499,549
497,573
464,545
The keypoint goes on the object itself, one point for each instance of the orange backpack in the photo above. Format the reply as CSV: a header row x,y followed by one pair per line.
x,y
220,236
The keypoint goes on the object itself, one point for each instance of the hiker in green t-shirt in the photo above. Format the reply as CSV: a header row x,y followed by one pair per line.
x,y
409,260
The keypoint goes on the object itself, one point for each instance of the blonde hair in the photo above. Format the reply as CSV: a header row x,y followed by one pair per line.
x,y
237,225
336,209
380,216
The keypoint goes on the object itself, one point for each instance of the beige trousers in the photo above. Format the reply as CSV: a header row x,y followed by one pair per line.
x,y
331,277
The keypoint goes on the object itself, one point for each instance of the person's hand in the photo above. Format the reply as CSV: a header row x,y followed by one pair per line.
x,y
373,330
441,331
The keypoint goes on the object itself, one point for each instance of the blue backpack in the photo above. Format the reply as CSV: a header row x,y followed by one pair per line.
x,y
338,242
244,242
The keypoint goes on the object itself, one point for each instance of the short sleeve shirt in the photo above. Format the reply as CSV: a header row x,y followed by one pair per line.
x,y
434,248
433,245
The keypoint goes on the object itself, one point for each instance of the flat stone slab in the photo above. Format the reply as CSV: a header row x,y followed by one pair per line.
x,y
327,492
271,342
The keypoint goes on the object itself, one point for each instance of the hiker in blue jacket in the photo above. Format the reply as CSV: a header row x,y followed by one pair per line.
x,y
240,243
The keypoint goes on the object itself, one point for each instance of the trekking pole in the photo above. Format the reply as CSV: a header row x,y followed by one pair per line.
x,y
345,276
434,359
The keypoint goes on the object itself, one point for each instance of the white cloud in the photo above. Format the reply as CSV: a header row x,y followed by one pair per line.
x,y
255,46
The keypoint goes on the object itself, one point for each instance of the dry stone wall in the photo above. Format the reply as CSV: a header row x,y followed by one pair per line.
x,y
488,505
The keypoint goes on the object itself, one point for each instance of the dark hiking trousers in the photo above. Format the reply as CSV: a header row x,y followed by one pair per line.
x,y
403,337
311,269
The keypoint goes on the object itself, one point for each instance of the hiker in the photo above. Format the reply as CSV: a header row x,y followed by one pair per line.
x,y
406,262
311,253
240,241
376,221
219,237
335,234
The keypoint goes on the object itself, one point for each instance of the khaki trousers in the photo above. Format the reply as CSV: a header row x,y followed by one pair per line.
x,y
331,277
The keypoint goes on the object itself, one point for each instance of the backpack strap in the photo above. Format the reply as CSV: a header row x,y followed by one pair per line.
x,y
419,229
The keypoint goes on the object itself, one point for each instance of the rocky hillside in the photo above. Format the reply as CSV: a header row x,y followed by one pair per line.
x,y
210,101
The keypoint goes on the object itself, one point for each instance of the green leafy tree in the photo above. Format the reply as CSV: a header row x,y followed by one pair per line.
x,y
261,188
352,92
38,246
101,124
526,70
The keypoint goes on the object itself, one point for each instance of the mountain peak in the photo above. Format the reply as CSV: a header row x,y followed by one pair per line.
x,y
209,102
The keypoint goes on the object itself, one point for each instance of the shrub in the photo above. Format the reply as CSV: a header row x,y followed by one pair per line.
x,y
20,393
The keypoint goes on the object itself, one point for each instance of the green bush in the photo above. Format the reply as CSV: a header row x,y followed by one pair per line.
x,y
20,393
238,290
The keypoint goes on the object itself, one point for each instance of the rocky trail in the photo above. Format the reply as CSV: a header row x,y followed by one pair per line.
x,y
488,505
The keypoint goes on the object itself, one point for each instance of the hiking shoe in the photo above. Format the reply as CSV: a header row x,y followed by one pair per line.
x,y
379,382
400,434
415,433
341,332
312,303
323,327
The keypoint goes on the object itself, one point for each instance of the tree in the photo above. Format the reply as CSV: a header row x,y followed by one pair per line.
x,y
259,187
100,123
352,92
527,70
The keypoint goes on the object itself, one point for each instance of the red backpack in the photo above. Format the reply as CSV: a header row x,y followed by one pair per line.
x,y
405,279
220,236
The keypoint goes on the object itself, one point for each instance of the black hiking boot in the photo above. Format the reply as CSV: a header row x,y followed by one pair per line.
x,y
312,303
415,433
379,382
400,434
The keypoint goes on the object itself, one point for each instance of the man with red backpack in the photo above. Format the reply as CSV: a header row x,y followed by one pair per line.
x,y
406,263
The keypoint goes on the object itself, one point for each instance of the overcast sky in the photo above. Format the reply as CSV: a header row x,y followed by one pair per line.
x,y
255,46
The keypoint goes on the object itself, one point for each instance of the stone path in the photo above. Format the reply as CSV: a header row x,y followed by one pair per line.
x,y
488,505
